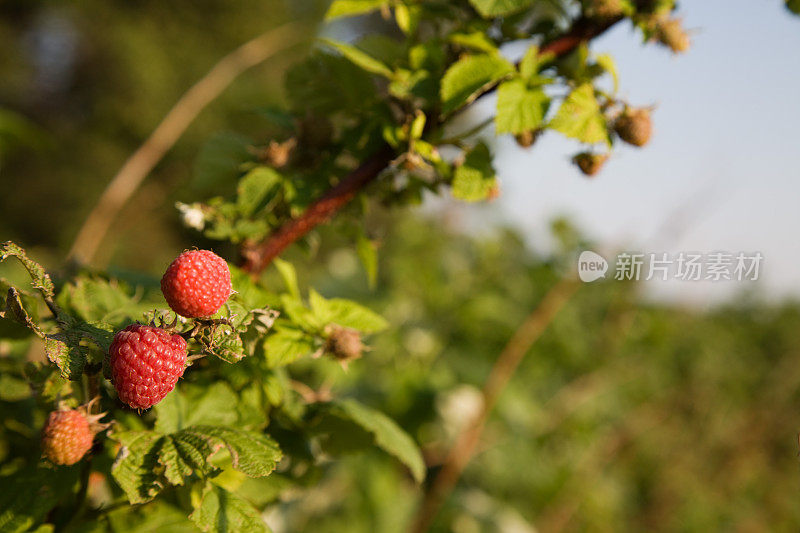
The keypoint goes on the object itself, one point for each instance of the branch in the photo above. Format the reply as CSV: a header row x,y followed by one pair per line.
x,y
144,159
257,256
502,371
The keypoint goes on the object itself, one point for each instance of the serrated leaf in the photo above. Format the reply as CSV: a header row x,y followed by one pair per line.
x,y
385,432
136,465
465,79
349,8
191,405
497,8
520,108
255,187
345,313
579,117
360,58
223,511
97,299
15,310
39,278
64,351
286,345
224,342
474,178
254,454
148,461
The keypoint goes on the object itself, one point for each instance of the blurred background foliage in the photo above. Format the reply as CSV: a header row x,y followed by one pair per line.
x,y
85,83
626,415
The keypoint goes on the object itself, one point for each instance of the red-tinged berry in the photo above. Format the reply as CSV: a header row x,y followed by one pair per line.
x,y
67,436
634,126
197,283
146,363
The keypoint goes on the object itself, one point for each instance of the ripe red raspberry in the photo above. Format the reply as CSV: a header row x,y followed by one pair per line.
x,y
197,283
146,363
66,437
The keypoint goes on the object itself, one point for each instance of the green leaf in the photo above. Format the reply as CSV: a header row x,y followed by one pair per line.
x,y
475,177
191,405
289,275
98,299
224,341
286,345
497,8
254,188
476,40
251,293
225,512
345,313
470,75
148,461
609,65
39,278
64,350
384,432
361,59
368,254
579,117
15,310
529,64
253,454
349,8
136,465
519,108
31,493
793,6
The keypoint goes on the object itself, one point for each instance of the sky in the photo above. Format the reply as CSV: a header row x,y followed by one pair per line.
x,y
722,171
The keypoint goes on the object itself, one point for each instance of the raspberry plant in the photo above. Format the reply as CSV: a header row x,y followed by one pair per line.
x,y
373,119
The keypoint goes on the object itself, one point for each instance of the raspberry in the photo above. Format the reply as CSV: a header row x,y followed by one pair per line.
x,y
344,343
146,363
590,163
634,126
197,283
66,437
